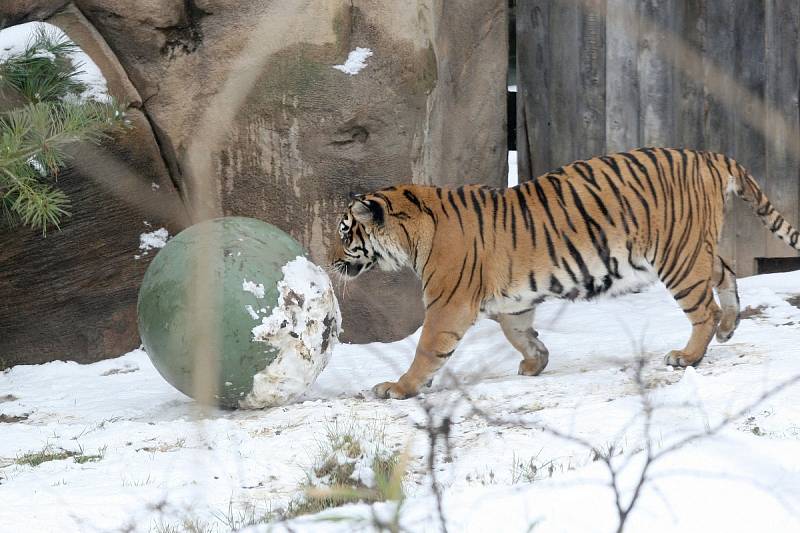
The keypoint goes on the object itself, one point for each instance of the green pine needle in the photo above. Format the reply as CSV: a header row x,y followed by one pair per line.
x,y
34,138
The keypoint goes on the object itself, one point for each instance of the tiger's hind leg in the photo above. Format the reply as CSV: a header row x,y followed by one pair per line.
x,y
695,296
728,299
518,329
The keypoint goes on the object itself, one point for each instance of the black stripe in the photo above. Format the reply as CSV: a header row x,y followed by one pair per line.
x,y
602,207
478,211
479,290
555,285
552,180
494,217
474,261
455,208
587,173
458,282
550,248
697,305
572,275
385,199
588,281
685,292
434,301
649,153
598,236
543,199
441,202
425,284
422,272
503,203
513,226
460,193
618,196
413,199
408,237
614,166
523,207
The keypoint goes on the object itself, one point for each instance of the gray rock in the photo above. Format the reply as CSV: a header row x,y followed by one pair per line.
x,y
19,11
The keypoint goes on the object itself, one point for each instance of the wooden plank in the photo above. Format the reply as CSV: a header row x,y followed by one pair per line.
x,y
655,73
749,145
622,76
782,179
718,19
591,110
688,92
533,87
563,69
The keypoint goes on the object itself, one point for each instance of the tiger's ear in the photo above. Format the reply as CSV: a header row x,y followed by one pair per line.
x,y
368,212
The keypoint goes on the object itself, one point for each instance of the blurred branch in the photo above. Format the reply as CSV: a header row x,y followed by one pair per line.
x,y
607,456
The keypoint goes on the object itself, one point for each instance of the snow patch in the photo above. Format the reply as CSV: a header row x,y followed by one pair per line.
x,y
251,312
355,451
37,166
256,289
513,172
13,40
45,54
356,60
153,239
304,326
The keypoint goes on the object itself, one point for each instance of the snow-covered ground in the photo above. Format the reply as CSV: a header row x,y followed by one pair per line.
x,y
159,460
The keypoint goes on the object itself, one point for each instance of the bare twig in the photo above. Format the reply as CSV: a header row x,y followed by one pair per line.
x,y
606,457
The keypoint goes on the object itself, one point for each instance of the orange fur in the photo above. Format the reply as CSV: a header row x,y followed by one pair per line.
x,y
593,227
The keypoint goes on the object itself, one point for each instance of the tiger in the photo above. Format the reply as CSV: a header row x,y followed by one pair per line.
x,y
602,226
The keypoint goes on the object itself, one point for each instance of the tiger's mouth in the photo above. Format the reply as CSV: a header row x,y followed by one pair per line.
x,y
352,270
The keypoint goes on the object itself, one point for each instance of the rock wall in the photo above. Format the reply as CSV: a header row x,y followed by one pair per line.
x,y
72,293
252,119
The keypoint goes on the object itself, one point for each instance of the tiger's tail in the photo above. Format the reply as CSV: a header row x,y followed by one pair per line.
x,y
748,190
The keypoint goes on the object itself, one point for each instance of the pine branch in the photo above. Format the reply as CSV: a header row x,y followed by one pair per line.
x,y
34,138
45,71
34,141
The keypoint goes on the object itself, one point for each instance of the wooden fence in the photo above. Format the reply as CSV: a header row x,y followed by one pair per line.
x,y
598,76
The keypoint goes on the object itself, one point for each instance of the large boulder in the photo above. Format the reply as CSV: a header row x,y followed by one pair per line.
x,y
253,119
18,11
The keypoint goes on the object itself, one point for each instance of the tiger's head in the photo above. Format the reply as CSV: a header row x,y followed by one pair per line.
x,y
368,238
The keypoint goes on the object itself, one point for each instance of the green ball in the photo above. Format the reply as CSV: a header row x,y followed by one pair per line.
x,y
214,283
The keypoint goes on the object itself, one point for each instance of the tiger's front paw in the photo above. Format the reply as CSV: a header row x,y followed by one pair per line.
x,y
395,391
681,359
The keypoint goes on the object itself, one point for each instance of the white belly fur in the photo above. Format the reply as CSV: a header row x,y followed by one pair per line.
x,y
631,280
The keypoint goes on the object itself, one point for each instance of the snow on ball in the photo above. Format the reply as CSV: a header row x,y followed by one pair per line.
x,y
302,327
272,312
